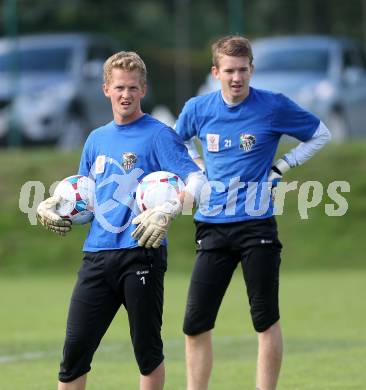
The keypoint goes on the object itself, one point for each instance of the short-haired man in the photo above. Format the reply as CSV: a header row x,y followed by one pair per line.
x,y
115,155
239,128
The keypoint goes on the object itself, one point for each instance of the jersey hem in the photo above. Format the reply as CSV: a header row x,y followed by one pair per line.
x,y
88,249
229,220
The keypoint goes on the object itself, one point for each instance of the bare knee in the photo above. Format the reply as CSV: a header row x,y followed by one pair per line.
x,y
154,380
76,384
273,330
198,339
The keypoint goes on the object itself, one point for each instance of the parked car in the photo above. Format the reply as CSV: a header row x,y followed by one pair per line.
x,y
324,74
51,86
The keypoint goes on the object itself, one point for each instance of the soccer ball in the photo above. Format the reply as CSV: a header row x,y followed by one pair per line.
x,y
77,194
157,188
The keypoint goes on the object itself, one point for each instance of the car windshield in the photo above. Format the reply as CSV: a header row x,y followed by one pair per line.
x,y
36,60
293,60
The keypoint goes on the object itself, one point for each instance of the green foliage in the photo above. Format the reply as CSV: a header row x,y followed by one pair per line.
x,y
320,241
323,326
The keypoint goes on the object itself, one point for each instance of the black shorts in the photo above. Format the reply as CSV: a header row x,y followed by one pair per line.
x,y
220,248
107,279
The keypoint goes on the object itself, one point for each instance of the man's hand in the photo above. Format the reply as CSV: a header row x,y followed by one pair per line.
x,y
46,215
153,224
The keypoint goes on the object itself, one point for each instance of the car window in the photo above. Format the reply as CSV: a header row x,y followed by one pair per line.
x,y
99,53
37,60
363,59
348,58
294,60
360,57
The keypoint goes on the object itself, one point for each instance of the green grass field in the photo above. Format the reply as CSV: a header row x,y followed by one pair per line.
x,y
322,294
323,317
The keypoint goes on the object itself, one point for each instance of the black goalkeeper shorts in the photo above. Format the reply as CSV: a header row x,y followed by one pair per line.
x,y
106,280
221,247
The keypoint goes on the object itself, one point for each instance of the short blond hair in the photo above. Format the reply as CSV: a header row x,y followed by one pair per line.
x,y
231,45
125,60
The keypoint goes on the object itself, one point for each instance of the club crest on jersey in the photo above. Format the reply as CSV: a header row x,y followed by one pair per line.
x,y
247,141
213,142
129,160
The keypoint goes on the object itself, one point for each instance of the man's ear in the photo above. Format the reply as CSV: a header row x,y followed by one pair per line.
x,y
215,72
143,90
106,90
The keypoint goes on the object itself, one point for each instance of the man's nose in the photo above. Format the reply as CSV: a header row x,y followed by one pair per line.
x,y
126,93
236,76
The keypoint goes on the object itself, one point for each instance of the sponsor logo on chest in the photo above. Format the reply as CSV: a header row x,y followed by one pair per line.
x,y
213,142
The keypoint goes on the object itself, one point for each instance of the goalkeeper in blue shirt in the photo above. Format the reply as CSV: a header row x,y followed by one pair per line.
x,y
239,128
123,264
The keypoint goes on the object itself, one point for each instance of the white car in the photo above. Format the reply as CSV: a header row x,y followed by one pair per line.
x,y
51,87
323,74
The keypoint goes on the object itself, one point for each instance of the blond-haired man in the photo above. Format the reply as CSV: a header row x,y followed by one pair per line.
x,y
122,265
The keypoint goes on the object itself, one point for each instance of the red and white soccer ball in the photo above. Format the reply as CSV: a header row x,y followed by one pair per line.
x,y
77,194
157,188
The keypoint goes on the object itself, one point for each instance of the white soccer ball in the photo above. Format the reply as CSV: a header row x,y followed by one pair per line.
x,y
157,188
77,193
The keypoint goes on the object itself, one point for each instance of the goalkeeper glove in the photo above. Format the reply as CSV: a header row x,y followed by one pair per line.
x,y
46,215
153,224
279,168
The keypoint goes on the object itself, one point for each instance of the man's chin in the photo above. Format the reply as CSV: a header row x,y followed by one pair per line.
x,y
238,97
126,113
237,92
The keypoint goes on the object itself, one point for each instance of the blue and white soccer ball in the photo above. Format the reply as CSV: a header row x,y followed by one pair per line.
x,y
157,188
77,193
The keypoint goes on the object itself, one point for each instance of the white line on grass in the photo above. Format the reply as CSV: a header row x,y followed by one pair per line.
x,y
23,357
170,343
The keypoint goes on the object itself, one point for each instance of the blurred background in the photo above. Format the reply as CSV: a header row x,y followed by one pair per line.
x,y
52,78
51,57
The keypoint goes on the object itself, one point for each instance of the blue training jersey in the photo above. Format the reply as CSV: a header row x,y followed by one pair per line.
x,y
117,157
238,145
